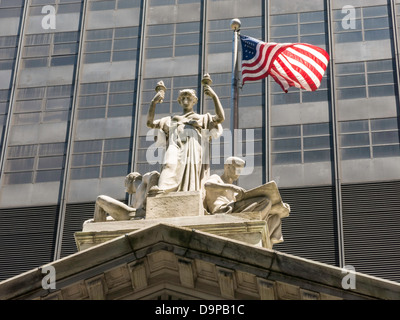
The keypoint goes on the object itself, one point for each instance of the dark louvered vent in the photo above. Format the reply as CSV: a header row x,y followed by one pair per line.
x,y
75,215
371,228
311,229
27,237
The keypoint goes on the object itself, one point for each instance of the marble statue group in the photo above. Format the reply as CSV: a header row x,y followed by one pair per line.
x,y
186,138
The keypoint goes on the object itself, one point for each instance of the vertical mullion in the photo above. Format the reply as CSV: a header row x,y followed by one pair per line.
x,y
51,50
366,79
68,154
35,163
362,22
370,139
139,84
103,142
43,106
174,39
335,136
112,42
204,48
301,144
108,96
267,174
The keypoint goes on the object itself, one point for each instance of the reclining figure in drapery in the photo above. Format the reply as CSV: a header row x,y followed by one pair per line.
x,y
108,208
222,196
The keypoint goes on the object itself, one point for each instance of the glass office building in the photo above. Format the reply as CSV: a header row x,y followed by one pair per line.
x,y
76,79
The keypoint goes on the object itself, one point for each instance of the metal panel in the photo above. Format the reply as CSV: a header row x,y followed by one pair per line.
x,y
363,170
311,229
27,238
288,6
371,224
75,215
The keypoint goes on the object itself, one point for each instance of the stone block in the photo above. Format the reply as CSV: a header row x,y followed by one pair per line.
x,y
175,204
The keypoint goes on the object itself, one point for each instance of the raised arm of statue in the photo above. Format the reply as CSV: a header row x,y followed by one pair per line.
x,y
158,98
219,110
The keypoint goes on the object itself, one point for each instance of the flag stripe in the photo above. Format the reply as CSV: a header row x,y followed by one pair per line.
x,y
284,82
294,74
281,81
299,65
295,52
319,53
306,72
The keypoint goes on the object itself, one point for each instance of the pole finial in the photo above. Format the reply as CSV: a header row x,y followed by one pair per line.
x,y
235,24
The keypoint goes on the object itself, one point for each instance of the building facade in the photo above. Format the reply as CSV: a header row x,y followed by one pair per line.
x,y
77,77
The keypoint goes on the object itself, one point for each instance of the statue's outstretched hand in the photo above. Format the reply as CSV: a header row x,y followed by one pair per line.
x,y
209,91
159,97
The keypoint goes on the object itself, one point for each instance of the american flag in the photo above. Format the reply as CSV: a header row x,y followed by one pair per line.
x,y
299,65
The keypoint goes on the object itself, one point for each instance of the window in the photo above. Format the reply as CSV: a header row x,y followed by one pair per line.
x,y
295,95
106,45
106,99
251,95
50,49
220,33
372,23
296,144
304,27
222,87
173,40
99,5
92,159
251,100
365,79
8,51
61,6
174,85
34,163
250,148
11,8
42,104
170,2
4,104
365,139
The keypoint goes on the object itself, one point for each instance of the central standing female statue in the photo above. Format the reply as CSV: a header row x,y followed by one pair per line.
x,y
187,136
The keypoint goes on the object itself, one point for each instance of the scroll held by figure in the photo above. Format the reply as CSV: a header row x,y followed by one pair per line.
x,y
186,139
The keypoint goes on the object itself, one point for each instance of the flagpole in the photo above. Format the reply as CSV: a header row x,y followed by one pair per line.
x,y
235,26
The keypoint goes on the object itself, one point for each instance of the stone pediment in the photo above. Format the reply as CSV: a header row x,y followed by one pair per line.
x,y
170,262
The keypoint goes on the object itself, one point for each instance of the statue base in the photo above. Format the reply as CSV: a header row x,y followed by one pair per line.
x,y
254,232
174,204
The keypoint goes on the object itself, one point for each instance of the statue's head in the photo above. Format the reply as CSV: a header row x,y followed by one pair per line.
x,y
233,167
187,97
132,182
